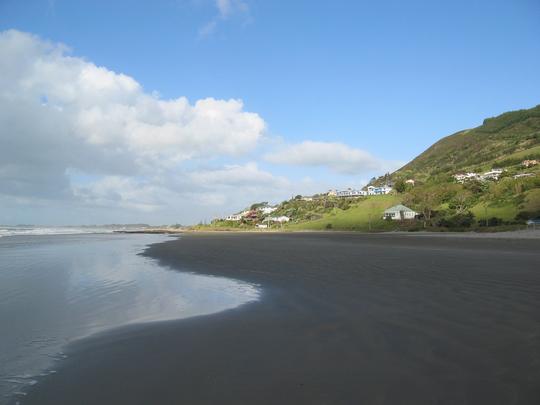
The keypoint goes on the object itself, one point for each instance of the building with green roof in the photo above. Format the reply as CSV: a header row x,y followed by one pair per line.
x,y
399,213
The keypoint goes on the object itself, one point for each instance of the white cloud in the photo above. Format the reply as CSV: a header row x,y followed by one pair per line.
x,y
123,192
64,118
248,175
335,156
60,112
224,189
226,9
104,108
208,29
234,187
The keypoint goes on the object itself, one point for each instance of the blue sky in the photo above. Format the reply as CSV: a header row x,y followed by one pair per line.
x,y
388,78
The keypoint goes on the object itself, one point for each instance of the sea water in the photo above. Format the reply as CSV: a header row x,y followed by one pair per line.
x,y
55,289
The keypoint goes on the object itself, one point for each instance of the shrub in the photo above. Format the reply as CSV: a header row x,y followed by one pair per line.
x,y
400,186
462,220
525,215
493,221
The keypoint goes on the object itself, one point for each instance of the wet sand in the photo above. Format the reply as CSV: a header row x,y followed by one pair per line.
x,y
343,319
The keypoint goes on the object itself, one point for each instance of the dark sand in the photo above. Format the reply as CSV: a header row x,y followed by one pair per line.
x,y
344,319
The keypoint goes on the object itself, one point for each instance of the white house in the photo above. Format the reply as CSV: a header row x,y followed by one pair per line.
x,y
237,217
493,174
529,163
462,177
372,190
351,193
520,175
280,219
399,212
267,209
331,193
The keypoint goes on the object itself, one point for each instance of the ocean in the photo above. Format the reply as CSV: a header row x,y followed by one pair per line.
x,y
58,285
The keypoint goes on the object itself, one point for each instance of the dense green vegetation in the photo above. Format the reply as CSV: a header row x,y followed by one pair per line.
x,y
445,205
299,210
501,142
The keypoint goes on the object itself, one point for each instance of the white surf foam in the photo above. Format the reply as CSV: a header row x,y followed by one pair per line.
x,y
20,230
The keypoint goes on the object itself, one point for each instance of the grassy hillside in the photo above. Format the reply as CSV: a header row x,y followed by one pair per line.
x,y
499,142
362,215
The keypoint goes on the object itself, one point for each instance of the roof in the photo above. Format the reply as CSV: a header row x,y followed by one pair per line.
x,y
398,208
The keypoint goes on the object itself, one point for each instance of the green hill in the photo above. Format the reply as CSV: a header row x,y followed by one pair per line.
x,y
502,141
363,214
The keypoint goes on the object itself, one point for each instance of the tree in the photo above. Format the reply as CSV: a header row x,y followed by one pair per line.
x,y
426,200
518,187
400,186
475,186
258,205
461,201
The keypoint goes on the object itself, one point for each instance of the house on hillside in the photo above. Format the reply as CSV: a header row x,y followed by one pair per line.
x,y
520,175
238,217
463,177
267,209
332,193
251,215
382,190
351,193
493,174
529,163
399,213
280,219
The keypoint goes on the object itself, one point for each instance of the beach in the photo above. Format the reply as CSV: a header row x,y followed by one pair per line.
x,y
342,318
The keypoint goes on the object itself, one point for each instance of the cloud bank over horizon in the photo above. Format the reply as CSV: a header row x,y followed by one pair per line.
x,y
80,137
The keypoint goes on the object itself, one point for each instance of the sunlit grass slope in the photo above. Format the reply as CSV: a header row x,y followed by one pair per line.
x,y
357,217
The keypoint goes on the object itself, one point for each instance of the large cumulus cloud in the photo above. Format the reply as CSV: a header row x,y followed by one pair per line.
x,y
61,114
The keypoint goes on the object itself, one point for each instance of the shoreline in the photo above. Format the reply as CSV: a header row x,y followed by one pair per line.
x,y
343,318
66,288
516,234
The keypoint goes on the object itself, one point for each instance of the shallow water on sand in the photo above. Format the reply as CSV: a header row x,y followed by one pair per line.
x,y
59,288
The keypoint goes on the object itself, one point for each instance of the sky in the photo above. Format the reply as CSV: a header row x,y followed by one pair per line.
x,y
178,111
